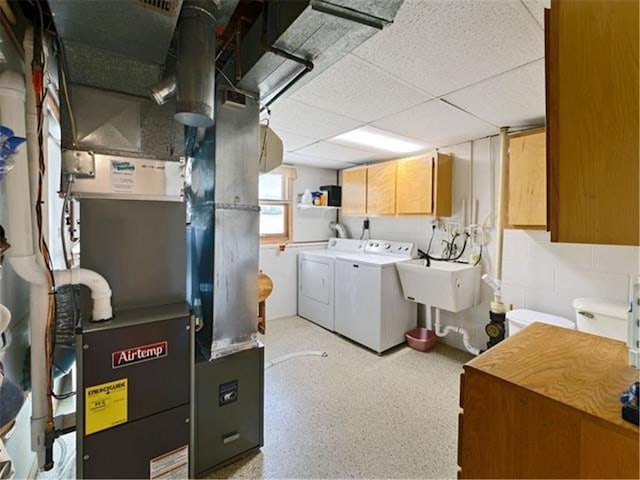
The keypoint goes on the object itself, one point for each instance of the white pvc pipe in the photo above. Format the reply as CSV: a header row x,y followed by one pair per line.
x,y
20,229
30,271
24,256
19,226
32,132
443,332
38,311
100,291
502,206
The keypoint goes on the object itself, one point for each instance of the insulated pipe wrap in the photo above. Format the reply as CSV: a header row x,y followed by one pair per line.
x,y
196,66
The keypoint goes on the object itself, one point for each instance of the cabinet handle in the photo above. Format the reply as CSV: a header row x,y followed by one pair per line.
x,y
356,266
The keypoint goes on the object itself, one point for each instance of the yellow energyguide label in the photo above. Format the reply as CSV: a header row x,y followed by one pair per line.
x,y
105,406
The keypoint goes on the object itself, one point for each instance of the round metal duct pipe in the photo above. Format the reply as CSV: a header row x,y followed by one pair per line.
x,y
196,66
163,91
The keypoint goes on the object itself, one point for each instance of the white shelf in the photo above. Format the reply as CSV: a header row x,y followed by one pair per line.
x,y
303,206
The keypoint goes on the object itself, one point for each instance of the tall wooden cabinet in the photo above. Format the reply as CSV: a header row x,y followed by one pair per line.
x,y
592,121
527,180
544,404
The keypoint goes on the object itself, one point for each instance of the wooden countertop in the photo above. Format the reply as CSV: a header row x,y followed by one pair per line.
x,y
586,372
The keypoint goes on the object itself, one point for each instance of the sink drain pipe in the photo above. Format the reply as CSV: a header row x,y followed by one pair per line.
x,y
444,331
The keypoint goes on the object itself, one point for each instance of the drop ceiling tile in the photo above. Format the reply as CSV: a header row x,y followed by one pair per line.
x,y
436,123
308,121
292,141
441,46
356,89
536,7
337,152
515,98
295,159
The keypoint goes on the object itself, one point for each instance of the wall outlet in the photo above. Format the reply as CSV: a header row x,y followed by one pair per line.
x,y
478,235
454,228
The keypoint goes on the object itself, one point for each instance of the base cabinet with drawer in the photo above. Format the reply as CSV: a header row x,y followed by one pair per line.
x,y
544,404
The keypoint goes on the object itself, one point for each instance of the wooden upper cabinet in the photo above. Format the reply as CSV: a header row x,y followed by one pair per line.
x,y
410,186
592,121
381,189
527,190
414,185
442,185
354,191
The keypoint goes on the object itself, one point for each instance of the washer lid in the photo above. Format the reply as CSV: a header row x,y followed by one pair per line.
x,y
527,317
371,259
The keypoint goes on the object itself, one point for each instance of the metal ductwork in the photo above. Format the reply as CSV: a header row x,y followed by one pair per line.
x,y
294,39
196,66
136,29
163,91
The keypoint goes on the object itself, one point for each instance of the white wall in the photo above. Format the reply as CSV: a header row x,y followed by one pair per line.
x,y
310,231
546,276
537,274
313,224
282,267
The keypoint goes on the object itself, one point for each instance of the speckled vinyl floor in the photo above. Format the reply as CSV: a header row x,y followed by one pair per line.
x,y
354,414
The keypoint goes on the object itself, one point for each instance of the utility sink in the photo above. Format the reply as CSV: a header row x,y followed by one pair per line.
x,y
446,285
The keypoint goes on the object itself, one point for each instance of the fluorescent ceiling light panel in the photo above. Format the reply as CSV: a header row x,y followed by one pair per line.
x,y
379,140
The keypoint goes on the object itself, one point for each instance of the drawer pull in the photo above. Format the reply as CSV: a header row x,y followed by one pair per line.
x,y
232,437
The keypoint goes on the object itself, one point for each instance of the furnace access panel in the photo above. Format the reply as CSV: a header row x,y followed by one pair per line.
x,y
134,392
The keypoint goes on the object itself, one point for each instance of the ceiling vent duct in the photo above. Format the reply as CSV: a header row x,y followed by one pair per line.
x,y
163,91
196,66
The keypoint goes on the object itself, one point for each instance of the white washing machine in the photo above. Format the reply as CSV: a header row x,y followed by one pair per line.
x,y
370,307
316,280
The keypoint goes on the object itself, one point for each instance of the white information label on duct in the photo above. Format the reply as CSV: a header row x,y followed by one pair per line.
x,y
123,176
173,465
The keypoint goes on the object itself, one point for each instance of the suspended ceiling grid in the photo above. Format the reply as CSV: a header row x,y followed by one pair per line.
x,y
445,72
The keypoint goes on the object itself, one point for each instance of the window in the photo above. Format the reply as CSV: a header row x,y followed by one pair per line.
x,y
275,208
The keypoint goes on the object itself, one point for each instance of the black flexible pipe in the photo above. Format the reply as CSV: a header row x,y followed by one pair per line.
x,y
428,257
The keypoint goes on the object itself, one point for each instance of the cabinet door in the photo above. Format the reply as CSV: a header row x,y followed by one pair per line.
x,y
381,189
442,182
607,451
528,180
354,191
414,186
592,121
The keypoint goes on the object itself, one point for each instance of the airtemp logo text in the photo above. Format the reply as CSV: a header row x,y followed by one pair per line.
x,y
123,358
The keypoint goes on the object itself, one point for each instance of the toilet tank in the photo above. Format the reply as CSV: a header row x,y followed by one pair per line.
x,y
601,317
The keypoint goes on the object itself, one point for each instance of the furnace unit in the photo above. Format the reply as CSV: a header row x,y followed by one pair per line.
x,y
135,371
